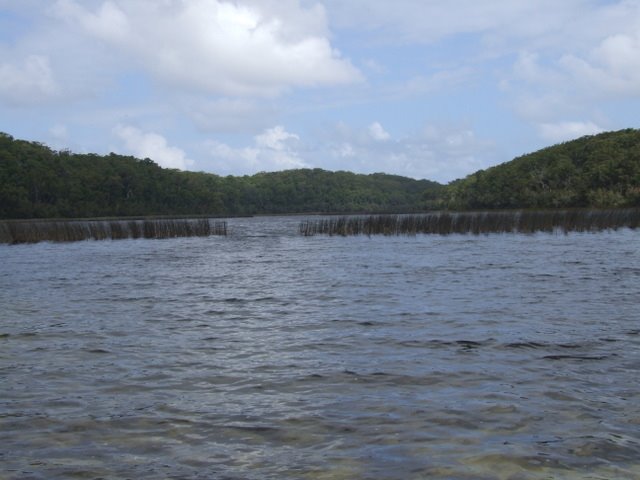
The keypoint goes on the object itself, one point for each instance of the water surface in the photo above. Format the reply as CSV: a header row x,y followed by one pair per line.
x,y
265,354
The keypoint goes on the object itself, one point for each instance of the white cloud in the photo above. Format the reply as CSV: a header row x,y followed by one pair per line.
x,y
435,153
214,46
378,133
580,81
28,83
153,146
571,56
420,21
227,160
108,23
563,131
276,138
272,150
621,53
345,150
612,69
237,115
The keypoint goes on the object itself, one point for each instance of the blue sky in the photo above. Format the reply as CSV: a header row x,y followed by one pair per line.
x,y
421,88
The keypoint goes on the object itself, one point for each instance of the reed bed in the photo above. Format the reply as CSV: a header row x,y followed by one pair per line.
x,y
445,223
25,231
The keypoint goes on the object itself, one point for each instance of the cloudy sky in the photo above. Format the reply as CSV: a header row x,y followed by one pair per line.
x,y
423,88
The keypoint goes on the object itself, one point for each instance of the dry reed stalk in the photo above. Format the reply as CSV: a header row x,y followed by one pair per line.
x,y
445,223
33,231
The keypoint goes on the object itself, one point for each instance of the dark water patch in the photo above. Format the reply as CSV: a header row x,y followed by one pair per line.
x,y
570,345
469,344
29,335
576,357
524,345
252,428
604,448
264,299
537,345
423,343
98,351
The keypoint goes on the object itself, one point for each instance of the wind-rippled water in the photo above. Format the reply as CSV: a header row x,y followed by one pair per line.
x,y
267,355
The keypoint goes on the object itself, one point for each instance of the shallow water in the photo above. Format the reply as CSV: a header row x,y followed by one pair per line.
x,y
265,354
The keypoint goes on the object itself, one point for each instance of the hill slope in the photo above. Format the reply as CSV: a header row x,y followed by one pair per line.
x,y
593,171
37,182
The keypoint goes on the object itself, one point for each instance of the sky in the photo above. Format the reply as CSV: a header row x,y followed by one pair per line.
x,y
428,89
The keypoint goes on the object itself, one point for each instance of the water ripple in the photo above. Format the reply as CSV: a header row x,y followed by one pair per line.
x,y
268,355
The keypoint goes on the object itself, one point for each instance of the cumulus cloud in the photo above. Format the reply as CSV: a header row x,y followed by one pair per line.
x,y
419,21
273,149
548,86
233,48
28,82
236,115
276,139
109,22
151,145
621,53
569,56
378,133
610,69
435,152
563,131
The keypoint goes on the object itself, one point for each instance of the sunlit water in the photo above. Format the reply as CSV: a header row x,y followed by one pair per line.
x,y
267,355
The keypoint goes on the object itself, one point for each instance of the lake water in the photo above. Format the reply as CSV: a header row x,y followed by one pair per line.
x,y
267,355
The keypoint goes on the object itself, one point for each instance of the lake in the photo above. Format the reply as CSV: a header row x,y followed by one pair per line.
x,y
268,355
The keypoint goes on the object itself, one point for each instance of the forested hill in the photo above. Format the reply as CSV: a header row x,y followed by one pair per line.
x,y
37,182
593,171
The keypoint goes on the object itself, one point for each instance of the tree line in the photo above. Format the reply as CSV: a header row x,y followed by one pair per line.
x,y
595,171
38,182
601,171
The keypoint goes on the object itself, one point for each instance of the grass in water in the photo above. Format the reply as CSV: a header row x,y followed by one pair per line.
x,y
445,223
33,231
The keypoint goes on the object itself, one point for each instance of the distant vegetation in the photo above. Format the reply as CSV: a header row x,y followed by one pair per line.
x,y
37,182
600,171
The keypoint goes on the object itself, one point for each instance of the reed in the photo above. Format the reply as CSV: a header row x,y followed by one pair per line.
x,y
445,223
33,231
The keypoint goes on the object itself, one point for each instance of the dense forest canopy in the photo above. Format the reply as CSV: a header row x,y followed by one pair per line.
x,y
37,182
594,171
